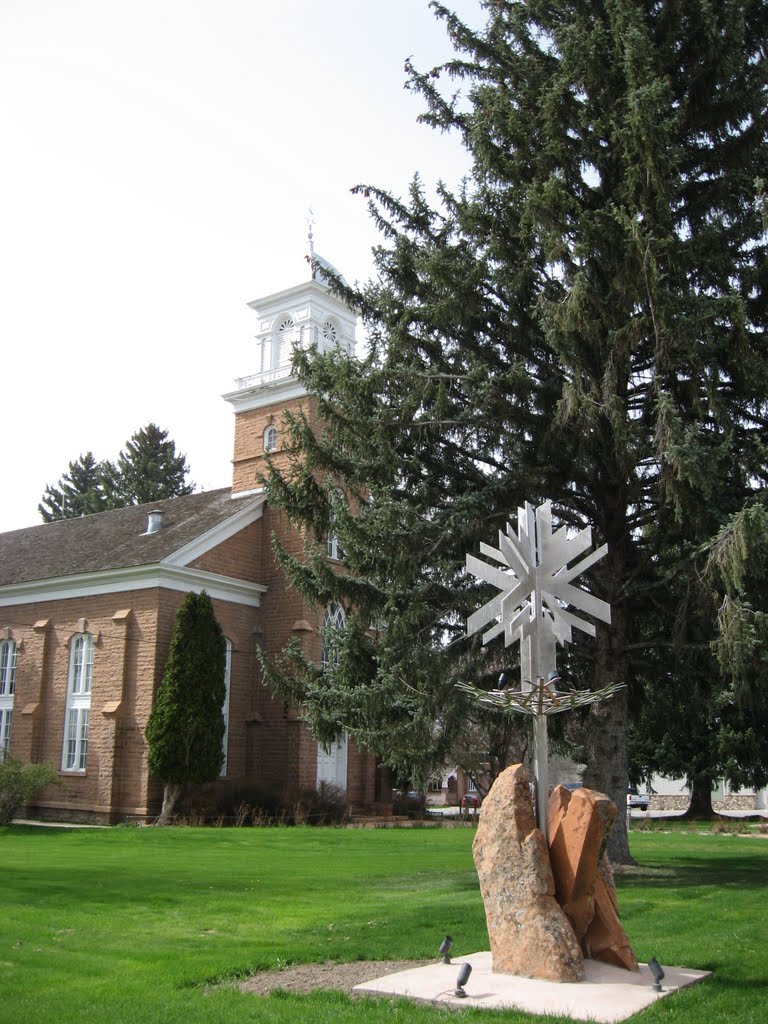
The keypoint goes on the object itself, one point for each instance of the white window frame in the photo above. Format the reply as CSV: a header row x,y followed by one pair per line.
x,y
334,617
225,705
74,753
8,653
270,438
333,545
332,760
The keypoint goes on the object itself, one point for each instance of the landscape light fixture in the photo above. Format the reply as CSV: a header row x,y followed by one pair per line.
x,y
657,971
461,981
445,947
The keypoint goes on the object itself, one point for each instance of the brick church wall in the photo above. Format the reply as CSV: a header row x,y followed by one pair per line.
x,y
132,632
124,669
248,453
240,557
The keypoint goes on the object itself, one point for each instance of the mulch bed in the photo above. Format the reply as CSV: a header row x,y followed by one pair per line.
x,y
311,977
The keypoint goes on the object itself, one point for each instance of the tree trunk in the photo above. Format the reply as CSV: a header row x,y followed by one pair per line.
x,y
171,795
608,767
700,807
607,752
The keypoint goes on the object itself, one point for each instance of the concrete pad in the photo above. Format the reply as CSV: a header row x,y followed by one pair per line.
x,y
607,993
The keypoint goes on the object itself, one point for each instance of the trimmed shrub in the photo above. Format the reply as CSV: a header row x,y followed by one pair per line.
x,y
19,782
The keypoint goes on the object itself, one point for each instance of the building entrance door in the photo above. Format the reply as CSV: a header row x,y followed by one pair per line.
x,y
332,763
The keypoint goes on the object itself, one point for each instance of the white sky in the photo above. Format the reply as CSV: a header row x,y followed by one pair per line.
x,y
158,161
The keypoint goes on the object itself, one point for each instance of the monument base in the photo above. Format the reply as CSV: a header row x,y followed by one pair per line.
x,y
606,994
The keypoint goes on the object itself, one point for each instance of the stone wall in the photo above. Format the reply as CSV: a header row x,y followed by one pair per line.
x,y
680,801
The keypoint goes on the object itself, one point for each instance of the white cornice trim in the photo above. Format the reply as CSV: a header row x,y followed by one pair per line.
x,y
321,292
138,577
245,399
217,534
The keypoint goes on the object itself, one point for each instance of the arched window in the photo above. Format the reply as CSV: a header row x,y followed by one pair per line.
x,y
333,620
225,705
270,438
7,685
75,751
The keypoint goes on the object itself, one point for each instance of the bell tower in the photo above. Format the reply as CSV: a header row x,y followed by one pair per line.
x,y
300,317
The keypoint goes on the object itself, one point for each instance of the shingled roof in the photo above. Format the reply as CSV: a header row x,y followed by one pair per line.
x,y
112,540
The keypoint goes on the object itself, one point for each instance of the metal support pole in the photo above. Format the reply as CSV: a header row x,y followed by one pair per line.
x,y
541,772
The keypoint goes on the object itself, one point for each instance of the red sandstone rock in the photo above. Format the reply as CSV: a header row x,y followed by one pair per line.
x,y
606,939
529,933
579,825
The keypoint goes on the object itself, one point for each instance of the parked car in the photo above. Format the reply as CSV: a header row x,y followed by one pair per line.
x,y
637,801
470,800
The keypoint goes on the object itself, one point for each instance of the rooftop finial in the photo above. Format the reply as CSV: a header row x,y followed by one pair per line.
x,y
311,240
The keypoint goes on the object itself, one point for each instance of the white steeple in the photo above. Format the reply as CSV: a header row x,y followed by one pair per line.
x,y
295,318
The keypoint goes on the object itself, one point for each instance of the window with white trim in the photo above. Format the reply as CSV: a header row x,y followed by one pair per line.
x,y
225,705
75,751
334,620
7,684
332,760
270,438
333,545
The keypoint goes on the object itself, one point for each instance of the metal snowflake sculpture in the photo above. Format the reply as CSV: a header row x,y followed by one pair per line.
x,y
535,589
535,586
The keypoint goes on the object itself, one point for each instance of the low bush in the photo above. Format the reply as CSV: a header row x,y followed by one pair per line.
x,y
411,804
256,802
19,782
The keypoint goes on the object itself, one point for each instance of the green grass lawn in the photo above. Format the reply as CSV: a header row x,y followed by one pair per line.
x,y
127,926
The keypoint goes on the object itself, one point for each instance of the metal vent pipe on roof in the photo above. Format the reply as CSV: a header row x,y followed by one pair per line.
x,y
155,520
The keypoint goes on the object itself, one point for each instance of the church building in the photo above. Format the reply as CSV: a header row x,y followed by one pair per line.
x,y
87,607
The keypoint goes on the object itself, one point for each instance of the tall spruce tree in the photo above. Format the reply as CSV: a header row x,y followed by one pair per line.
x,y
583,320
86,487
149,468
711,721
185,730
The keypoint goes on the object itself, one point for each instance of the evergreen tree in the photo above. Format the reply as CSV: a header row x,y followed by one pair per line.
x,y
711,720
584,320
185,730
738,568
149,469
86,487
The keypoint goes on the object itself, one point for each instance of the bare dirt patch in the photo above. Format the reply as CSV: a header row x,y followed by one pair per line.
x,y
311,977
